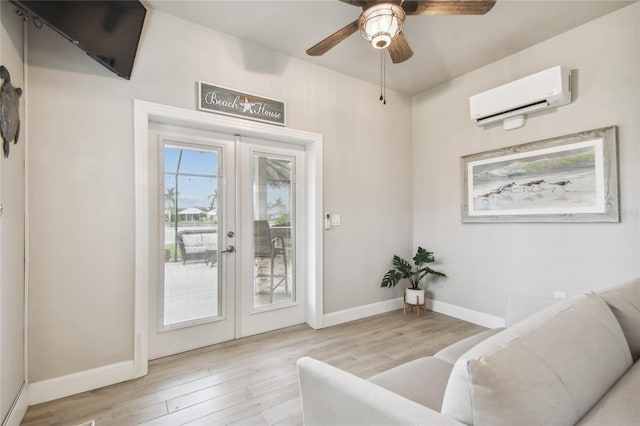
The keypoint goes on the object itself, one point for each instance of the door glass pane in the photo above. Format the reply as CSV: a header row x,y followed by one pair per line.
x,y
191,283
274,220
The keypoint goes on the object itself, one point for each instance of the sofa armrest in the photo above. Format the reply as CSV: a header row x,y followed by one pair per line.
x,y
331,396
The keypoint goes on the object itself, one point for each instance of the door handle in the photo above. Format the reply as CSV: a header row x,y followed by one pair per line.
x,y
229,249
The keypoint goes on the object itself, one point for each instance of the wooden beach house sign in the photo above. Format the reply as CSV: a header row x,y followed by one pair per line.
x,y
222,100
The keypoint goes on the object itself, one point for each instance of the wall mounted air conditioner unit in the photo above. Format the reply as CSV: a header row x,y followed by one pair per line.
x,y
510,102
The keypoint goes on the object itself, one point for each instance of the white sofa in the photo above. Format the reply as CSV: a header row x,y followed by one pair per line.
x,y
572,363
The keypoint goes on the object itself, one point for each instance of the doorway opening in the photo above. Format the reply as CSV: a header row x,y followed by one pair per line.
x,y
283,169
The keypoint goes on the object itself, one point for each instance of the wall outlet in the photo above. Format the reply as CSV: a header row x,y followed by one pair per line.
x,y
559,294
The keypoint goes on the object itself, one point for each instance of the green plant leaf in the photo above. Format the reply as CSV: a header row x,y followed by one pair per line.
x,y
403,266
391,278
423,256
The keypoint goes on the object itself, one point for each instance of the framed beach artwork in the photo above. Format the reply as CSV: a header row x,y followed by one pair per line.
x,y
572,178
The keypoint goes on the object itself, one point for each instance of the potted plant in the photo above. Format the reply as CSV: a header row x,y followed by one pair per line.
x,y
403,269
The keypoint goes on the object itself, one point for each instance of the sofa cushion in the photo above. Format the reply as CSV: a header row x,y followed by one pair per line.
x,y
548,369
422,380
624,302
620,405
210,241
192,243
452,352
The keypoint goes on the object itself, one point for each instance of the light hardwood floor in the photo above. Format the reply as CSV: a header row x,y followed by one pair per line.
x,y
252,381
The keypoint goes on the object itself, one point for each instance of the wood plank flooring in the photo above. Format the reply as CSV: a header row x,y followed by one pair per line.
x,y
252,381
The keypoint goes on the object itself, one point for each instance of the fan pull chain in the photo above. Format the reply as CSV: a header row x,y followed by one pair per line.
x,y
383,77
384,85
381,96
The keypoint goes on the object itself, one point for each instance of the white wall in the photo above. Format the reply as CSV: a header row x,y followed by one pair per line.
x,y
12,197
81,177
488,263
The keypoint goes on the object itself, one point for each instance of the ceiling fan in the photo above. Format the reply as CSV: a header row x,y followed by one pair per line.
x,y
381,22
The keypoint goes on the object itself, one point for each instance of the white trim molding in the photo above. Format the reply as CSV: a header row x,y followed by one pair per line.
x,y
352,314
82,381
465,314
19,408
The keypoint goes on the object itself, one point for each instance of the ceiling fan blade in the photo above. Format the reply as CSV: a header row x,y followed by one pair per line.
x,y
447,7
357,3
365,4
399,49
325,45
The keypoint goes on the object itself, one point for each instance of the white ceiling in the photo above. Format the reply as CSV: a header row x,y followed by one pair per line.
x,y
444,47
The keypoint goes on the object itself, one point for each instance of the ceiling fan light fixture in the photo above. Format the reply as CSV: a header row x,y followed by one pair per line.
x,y
381,41
381,24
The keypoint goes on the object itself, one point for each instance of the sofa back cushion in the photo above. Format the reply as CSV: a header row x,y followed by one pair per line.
x,y
624,302
210,241
548,369
192,243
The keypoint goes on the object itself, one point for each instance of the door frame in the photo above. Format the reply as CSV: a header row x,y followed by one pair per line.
x,y
145,113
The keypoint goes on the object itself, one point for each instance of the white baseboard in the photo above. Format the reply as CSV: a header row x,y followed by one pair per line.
x,y
465,314
19,408
82,381
358,312
459,312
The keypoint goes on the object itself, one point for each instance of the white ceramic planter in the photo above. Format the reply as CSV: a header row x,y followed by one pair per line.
x,y
414,297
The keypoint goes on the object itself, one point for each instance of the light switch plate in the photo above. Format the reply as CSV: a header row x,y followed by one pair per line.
x,y
335,219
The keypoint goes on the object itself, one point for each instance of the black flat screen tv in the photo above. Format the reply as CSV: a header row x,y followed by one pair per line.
x,y
109,31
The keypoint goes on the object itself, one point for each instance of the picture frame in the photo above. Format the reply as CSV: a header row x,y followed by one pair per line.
x,y
571,178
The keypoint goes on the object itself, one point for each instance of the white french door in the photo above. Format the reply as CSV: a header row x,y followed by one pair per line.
x,y
229,258
272,261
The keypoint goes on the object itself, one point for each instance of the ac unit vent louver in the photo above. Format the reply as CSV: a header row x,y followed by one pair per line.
x,y
510,102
